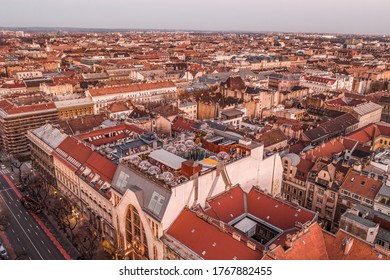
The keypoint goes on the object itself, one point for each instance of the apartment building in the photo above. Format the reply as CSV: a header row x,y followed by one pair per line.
x,y
17,116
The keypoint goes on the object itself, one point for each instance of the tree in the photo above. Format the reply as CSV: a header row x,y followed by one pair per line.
x,y
88,241
14,163
4,223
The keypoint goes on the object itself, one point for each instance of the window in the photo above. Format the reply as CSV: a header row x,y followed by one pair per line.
x,y
135,234
156,203
380,242
122,180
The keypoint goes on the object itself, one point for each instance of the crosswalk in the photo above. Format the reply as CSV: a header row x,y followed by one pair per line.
x,y
5,171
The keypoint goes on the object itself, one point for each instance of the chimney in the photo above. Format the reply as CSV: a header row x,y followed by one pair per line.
x,y
347,245
288,243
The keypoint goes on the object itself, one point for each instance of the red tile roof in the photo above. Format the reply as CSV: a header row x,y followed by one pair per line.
x,y
183,125
22,85
308,246
102,166
74,148
11,108
126,130
296,125
130,88
360,250
276,212
304,166
229,205
319,80
365,134
346,102
208,241
326,150
361,185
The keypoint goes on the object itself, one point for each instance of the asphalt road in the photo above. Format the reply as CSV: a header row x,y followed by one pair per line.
x,y
26,236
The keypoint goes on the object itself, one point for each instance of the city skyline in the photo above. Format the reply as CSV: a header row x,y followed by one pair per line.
x,y
249,16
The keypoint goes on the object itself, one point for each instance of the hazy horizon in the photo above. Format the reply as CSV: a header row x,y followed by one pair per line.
x,y
298,16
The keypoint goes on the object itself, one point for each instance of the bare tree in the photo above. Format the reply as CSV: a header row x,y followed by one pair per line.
x,y
4,223
88,241
15,163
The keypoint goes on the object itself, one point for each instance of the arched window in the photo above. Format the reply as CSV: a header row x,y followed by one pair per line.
x,y
135,233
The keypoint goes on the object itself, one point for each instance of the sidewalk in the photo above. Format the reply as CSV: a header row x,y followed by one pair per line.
x,y
59,235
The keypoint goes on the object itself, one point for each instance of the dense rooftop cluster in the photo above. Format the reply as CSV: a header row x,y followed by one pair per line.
x,y
208,145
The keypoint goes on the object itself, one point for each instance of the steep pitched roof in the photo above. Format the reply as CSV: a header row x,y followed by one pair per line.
x,y
361,185
228,205
272,137
276,212
208,241
360,250
310,245
183,125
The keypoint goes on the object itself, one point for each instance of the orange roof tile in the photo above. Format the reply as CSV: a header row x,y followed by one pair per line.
x,y
276,212
360,250
208,241
229,205
102,166
76,149
361,185
308,246
130,88
11,108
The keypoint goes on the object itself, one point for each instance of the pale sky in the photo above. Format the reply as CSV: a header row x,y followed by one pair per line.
x,y
327,16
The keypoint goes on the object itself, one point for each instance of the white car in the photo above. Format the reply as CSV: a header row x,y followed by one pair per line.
x,y
3,252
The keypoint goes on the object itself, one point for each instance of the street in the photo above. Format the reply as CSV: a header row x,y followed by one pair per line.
x,y
26,234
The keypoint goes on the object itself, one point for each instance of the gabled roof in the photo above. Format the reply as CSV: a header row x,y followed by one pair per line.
x,y
272,137
180,124
360,250
361,185
102,166
304,168
130,88
227,206
276,212
319,80
308,246
74,151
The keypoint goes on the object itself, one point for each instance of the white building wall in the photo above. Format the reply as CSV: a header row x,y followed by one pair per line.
x,y
382,208
370,118
248,172
121,209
